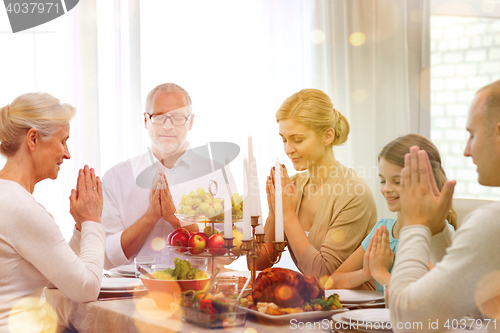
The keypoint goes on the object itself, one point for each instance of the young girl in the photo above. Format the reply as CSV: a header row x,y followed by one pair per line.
x,y
375,257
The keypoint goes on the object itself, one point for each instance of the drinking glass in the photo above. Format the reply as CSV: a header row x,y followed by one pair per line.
x,y
226,284
148,263
386,295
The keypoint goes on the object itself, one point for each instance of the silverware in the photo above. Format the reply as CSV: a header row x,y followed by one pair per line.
x,y
145,272
241,292
212,281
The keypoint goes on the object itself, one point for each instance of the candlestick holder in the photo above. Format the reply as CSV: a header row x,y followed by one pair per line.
x,y
252,247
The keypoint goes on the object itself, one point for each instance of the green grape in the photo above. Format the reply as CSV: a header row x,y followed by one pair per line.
x,y
211,211
218,207
199,211
200,191
192,194
237,207
192,213
197,202
189,201
179,211
217,200
187,209
235,197
239,212
204,207
183,198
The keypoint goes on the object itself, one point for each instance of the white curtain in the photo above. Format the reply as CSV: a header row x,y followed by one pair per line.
x,y
94,69
381,85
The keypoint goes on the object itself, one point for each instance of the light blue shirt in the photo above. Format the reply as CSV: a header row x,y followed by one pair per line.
x,y
393,242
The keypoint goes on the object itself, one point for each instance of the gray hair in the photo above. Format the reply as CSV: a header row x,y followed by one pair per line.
x,y
40,111
164,88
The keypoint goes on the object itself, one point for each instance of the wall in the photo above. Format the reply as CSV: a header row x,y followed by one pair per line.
x,y
465,55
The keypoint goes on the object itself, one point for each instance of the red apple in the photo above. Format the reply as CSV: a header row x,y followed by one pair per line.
x,y
180,239
170,235
216,245
196,243
204,235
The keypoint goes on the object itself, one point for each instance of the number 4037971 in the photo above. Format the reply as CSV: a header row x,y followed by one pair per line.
x,y
470,323
32,7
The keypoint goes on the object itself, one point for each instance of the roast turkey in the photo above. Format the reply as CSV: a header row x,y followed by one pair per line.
x,y
285,288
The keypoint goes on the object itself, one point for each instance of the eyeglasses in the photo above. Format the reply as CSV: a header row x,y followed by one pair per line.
x,y
160,119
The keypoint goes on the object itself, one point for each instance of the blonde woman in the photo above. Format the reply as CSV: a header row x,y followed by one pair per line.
x,y
328,209
375,257
34,129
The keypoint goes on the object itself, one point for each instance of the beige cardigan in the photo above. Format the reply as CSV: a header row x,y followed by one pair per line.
x,y
346,215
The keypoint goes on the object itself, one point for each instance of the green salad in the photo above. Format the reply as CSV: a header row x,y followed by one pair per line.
x,y
183,271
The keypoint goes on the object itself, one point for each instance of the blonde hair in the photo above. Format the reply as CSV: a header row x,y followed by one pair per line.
x,y
164,88
394,152
40,111
313,108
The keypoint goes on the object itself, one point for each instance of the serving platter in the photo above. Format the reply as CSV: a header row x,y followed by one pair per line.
x,y
355,296
301,316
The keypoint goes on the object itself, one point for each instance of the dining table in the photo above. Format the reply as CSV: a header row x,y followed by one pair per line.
x,y
138,313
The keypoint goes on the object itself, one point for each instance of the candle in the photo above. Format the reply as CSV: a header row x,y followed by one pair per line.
x,y
254,188
228,215
278,207
247,224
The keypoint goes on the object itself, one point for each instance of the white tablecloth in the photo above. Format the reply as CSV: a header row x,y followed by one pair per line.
x,y
142,315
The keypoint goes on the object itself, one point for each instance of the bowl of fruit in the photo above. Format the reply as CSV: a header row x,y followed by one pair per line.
x,y
203,206
181,241
171,280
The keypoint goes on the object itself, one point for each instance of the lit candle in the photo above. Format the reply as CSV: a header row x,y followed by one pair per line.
x,y
254,187
247,224
228,214
278,207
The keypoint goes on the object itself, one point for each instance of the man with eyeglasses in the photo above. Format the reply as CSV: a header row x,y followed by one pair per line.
x,y
140,194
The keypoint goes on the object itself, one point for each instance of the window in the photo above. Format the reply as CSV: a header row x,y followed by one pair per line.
x,y
465,55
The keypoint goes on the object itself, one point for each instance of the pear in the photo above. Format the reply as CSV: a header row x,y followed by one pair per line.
x,y
238,237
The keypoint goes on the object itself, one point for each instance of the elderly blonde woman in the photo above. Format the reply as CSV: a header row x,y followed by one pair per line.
x,y
328,209
34,129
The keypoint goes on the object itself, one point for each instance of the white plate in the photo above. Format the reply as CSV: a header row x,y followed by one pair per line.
x,y
373,304
355,296
120,284
108,293
301,316
129,270
368,316
339,323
